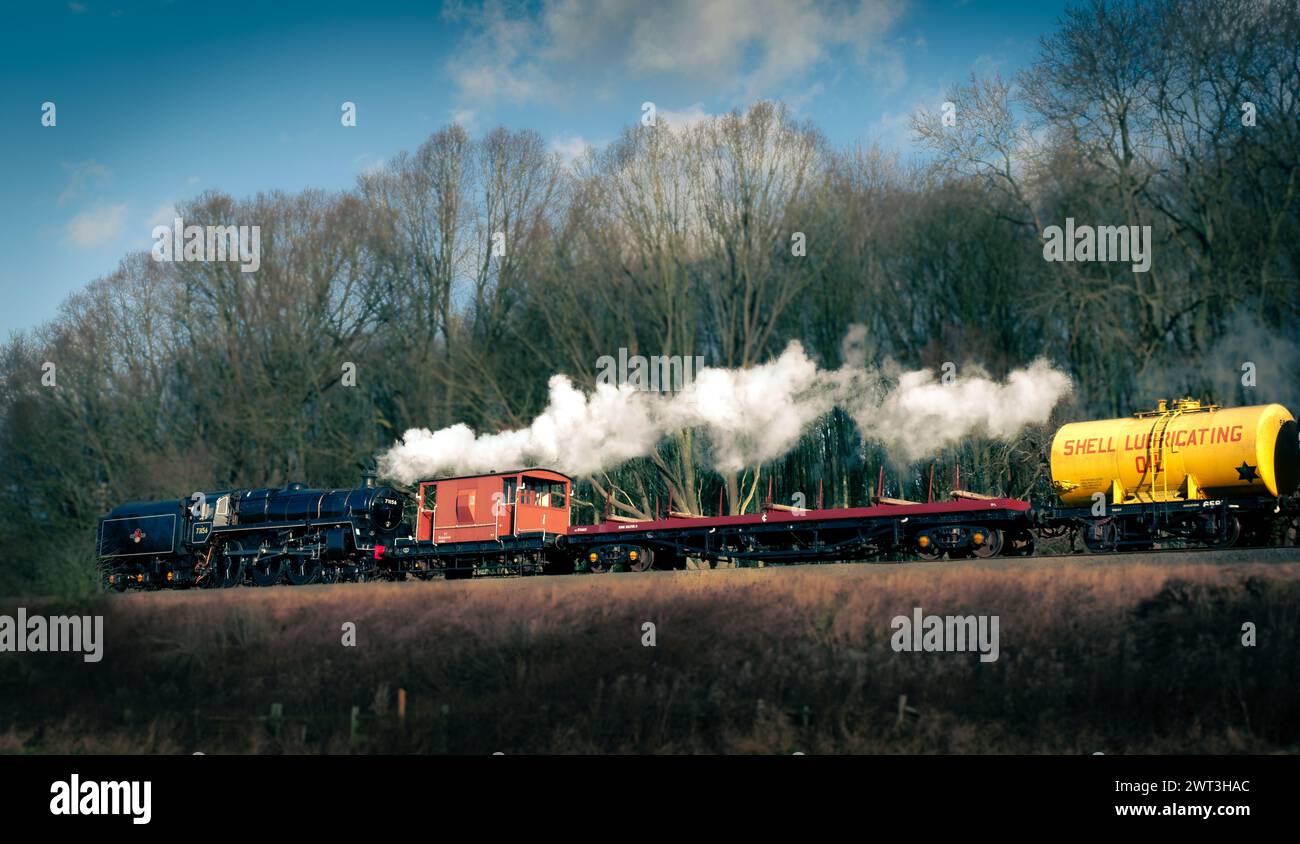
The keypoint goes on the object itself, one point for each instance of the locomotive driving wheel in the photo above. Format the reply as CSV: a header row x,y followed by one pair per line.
x,y
303,570
267,568
228,565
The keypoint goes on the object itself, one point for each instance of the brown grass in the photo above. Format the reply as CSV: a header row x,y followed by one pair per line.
x,y
1119,658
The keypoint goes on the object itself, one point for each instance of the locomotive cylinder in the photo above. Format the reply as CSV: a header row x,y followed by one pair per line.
x,y
1180,451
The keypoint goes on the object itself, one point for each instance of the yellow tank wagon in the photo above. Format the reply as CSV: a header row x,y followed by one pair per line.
x,y
1181,451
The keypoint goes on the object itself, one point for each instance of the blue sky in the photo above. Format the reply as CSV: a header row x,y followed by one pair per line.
x,y
159,101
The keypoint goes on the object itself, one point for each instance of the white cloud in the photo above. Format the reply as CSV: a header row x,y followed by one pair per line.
x,y
570,148
685,118
163,215
82,176
893,129
731,48
97,226
466,118
366,163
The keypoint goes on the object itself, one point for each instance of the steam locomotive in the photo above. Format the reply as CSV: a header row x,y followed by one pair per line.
x,y
264,536
1185,474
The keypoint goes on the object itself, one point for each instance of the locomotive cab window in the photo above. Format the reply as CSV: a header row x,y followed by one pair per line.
x,y
222,516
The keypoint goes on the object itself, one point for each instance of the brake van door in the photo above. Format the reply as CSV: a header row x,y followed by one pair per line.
x,y
503,506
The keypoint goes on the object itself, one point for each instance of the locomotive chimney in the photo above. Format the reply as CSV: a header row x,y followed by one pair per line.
x,y
368,475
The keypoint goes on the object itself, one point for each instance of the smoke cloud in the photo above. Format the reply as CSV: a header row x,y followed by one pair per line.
x,y
748,416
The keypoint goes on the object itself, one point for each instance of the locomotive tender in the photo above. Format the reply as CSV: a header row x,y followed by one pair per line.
x,y
1185,474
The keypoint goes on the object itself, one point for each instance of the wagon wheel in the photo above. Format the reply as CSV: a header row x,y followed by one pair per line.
x,y
267,569
303,570
228,567
926,548
1020,543
645,560
991,546
601,564
1228,534
1100,537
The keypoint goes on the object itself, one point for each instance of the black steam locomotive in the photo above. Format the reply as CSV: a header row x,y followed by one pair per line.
x,y
265,536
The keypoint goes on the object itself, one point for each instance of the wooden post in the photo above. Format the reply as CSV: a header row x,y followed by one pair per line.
x,y
356,718
904,710
930,492
720,489
819,493
401,705
277,712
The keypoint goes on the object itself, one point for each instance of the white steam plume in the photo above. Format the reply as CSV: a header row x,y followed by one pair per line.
x,y
748,416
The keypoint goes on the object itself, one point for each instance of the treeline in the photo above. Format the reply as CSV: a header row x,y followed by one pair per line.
x,y
1181,116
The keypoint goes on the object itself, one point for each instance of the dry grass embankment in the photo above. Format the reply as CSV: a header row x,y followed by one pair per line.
x,y
1116,658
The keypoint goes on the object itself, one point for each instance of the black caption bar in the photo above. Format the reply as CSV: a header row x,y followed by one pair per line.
x,y
129,795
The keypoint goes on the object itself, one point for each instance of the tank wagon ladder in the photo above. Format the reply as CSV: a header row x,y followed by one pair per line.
x,y
1157,487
